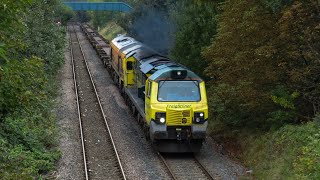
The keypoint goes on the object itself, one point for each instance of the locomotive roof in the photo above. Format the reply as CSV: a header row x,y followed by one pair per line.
x,y
122,41
130,47
166,74
142,53
150,61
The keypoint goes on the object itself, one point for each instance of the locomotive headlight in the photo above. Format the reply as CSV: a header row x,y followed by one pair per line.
x,y
160,117
162,120
198,117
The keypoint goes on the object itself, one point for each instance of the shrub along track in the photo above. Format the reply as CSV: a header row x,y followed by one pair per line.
x,y
100,157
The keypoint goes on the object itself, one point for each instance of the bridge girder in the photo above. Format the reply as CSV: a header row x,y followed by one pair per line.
x,y
99,6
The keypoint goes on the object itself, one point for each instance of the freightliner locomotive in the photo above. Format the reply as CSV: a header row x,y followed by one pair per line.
x,y
169,100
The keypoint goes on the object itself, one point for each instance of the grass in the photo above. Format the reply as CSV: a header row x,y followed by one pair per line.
x,y
291,152
111,30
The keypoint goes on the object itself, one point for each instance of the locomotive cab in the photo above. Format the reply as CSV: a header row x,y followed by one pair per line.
x,y
176,110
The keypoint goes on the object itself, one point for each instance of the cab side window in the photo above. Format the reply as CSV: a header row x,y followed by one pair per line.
x,y
129,65
149,89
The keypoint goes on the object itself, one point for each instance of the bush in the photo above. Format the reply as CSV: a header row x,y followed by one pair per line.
x,y
31,52
26,164
292,152
27,127
22,85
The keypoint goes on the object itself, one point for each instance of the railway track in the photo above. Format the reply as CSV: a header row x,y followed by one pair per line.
x,y
100,157
185,166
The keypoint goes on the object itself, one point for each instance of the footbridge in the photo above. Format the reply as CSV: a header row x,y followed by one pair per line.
x,y
99,6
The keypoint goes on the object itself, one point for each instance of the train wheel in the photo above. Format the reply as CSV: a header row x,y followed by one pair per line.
x,y
112,76
139,119
115,78
141,122
134,110
146,131
125,100
121,87
108,68
128,102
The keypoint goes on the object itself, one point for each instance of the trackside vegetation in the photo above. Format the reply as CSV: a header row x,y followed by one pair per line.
x,y
31,52
260,60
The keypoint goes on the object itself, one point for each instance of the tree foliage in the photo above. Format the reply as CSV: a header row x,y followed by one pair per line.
x,y
43,37
259,52
22,85
240,63
297,51
31,51
11,25
264,70
195,29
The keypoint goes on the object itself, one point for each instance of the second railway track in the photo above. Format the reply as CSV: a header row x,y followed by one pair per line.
x,y
100,157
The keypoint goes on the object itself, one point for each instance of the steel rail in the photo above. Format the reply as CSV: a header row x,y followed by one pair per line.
x,y
167,166
203,169
78,107
102,111
206,173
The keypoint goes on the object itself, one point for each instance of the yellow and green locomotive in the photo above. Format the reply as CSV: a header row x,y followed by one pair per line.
x,y
169,100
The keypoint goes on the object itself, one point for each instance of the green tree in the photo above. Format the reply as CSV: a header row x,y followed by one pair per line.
x,y
11,26
43,38
22,85
63,13
297,53
31,50
196,26
241,66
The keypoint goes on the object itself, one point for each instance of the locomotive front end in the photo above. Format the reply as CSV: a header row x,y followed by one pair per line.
x,y
177,109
